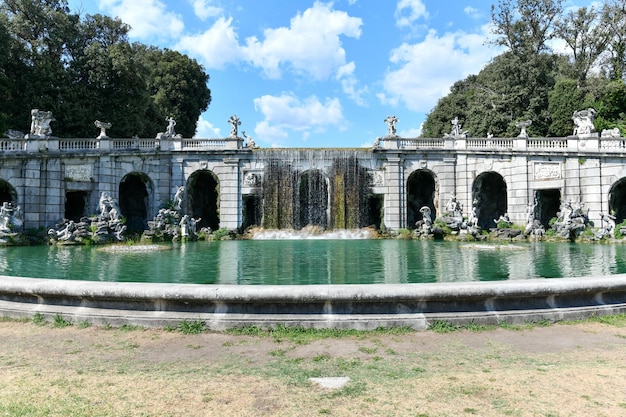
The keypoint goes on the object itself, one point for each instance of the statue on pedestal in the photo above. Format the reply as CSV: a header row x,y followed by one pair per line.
x,y
40,123
235,123
103,128
391,125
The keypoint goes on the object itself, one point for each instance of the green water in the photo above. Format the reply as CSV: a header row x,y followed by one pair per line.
x,y
306,262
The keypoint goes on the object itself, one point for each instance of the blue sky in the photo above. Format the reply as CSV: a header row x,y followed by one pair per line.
x,y
306,73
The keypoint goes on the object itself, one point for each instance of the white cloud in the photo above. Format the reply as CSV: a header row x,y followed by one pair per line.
x,y
349,83
216,47
204,9
311,45
423,72
147,18
206,130
287,113
472,12
408,11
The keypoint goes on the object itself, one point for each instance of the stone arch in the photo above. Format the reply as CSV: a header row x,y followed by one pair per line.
x,y
7,193
135,193
617,200
421,191
203,198
489,195
312,199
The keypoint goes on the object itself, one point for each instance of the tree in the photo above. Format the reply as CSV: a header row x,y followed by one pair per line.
x,y
614,18
177,85
83,69
38,31
587,38
564,99
453,105
524,26
507,90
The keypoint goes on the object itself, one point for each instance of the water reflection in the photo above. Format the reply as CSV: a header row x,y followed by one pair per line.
x,y
306,262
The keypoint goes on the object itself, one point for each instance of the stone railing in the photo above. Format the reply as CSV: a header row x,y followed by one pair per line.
x,y
76,144
547,143
589,143
134,143
12,145
489,143
426,143
202,144
53,144
613,144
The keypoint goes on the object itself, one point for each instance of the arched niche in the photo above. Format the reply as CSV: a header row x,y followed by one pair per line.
x,y
135,191
617,200
7,193
203,198
312,208
421,190
490,198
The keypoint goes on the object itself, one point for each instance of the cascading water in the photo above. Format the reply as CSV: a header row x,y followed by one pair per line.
x,y
329,190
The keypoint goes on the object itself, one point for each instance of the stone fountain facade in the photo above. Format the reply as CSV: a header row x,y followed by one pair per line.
x,y
231,183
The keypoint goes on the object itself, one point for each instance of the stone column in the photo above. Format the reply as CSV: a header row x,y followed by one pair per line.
x,y
448,186
395,199
32,201
230,193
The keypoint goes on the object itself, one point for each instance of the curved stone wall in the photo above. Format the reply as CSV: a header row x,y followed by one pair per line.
x,y
360,307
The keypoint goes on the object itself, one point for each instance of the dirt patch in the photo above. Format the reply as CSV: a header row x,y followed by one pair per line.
x,y
559,370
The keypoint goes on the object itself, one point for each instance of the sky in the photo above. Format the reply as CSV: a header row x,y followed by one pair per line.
x,y
309,73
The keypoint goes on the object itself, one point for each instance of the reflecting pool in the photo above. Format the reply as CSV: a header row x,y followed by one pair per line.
x,y
303,262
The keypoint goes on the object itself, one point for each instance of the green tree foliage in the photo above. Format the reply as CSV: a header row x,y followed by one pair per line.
x,y
586,37
524,26
614,20
177,86
564,99
507,90
521,83
84,68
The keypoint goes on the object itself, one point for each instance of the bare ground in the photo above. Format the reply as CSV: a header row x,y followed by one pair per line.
x,y
559,370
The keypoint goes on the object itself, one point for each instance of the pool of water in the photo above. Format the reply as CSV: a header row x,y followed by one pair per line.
x,y
304,262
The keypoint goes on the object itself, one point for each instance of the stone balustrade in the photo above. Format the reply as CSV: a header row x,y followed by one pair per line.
x,y
591,143
53,144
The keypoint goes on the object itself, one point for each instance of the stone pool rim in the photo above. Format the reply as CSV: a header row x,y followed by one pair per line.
x,y
351,306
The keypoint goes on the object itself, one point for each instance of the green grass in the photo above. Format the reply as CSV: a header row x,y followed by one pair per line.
x,y
191,327
302,336
60,322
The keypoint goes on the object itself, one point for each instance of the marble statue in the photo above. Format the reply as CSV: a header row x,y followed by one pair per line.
x,y
169,131
424,226
457,132
109,210
611,133
523,125
453,207
607,227
6,212
571,220
178,198
250,144
584,121
40,123
103,126
235,123
14,134
504,220
391,125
